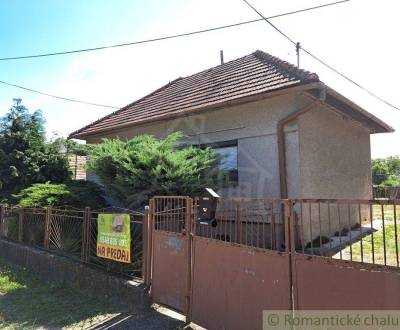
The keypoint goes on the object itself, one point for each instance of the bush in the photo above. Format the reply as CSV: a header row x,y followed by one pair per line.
x,y
74,193
142,167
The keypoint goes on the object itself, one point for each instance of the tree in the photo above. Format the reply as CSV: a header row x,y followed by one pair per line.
x,y
25,157
139,168
386,171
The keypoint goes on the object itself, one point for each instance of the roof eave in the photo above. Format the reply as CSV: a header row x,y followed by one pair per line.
x,y
350,109
206,107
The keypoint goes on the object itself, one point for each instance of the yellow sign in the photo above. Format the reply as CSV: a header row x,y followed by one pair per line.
x,y
114,237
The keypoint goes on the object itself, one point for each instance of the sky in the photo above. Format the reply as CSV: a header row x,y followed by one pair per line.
x,y
359,38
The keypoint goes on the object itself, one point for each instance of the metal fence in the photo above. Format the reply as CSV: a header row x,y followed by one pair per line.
x,y
251,222
71,232
363,231
386,192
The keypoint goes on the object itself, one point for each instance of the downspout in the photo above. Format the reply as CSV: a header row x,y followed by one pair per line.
x,y
282,143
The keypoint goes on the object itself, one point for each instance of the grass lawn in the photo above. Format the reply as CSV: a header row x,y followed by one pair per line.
x,y
388,212
27,302
379,241
378,247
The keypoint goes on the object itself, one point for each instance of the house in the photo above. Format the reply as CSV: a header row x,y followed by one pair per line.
x,y
283,132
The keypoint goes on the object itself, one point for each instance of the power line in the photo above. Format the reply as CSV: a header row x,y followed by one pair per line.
x,y
140,42
169,36
58,97
320,60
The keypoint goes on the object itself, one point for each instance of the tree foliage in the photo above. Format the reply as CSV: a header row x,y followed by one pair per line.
x,y
25,157
386,171
78,194
69,146
136,169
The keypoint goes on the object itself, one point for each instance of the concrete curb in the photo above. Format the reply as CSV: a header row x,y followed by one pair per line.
x,y
131,295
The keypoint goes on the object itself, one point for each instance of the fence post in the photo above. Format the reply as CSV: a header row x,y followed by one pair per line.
x,y
88,232
145,245
150,258
189,236
21,225
47,224
2,218
290,247
85,235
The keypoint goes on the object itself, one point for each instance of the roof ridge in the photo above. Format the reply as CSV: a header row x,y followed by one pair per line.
x,y
286,66
217,66
125,107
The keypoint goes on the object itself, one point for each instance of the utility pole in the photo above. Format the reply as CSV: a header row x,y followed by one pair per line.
x,y
221,55
298,53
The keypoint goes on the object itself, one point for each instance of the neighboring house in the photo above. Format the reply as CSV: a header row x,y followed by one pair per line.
x,y
77,165
284,132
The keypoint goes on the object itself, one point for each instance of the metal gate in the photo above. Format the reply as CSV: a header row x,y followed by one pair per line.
x,y
171,251
201,270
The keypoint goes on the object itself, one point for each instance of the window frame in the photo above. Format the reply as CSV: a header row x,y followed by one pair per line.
x,y
226,144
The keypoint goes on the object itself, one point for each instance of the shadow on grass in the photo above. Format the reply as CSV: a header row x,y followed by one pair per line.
x,y
28,302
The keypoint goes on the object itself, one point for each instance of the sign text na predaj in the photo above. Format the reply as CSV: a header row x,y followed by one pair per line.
x,y
114,237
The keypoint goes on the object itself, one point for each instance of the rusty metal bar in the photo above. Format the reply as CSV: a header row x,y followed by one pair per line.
x,y
349,229
145,242
361,233
292,226
371,215
273,227
189,237
383,233
152,226
395,234
286,220
47,225
302,227
310,224
84,236
339,231
320,229
263,226
293,278
88,233
245,228
329,229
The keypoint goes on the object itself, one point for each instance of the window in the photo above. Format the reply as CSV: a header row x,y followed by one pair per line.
x,y
228,152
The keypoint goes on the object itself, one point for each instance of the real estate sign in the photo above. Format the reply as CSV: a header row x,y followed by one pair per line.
x,y
114,237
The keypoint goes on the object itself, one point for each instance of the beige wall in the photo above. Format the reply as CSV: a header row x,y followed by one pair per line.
x,y
335,156
254,125
335,163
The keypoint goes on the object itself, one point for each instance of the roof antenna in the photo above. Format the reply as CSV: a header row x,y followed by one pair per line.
x,y
221,55
298,54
